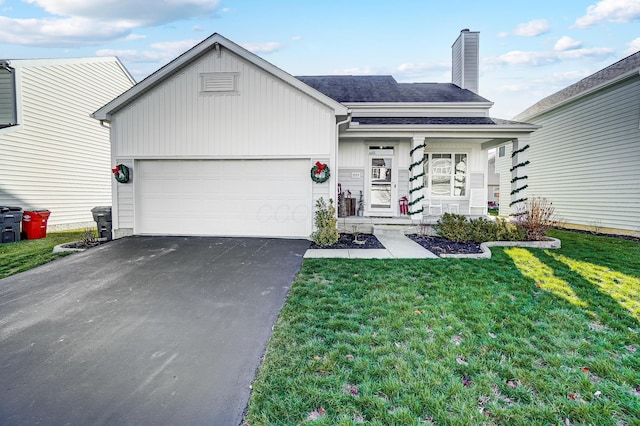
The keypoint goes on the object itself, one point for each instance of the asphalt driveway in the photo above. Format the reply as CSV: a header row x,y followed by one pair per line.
x,y
143,330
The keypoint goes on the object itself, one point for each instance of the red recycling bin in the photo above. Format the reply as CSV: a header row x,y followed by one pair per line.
x,y
34,224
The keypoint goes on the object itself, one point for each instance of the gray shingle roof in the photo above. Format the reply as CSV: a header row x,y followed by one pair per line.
x,y
609,73
434,121
384,88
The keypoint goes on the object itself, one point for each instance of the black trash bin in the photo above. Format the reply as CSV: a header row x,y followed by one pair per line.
x,y
10,219
102,216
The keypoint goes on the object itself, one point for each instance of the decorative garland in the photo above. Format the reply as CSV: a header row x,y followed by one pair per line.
x,y
416,177
515,191
417,188
518,151
121,173
517,178
320,173
526,163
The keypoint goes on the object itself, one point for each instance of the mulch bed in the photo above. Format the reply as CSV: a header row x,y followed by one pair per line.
x,y
439,245
83,244
346,242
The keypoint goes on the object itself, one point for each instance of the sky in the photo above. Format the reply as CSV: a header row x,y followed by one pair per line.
x,y
528,49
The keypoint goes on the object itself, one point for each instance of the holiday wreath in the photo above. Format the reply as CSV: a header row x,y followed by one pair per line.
x,y
121,173
320,173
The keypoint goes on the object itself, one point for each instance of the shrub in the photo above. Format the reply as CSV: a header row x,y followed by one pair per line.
x,y
537,218
460,229
326,233
452,227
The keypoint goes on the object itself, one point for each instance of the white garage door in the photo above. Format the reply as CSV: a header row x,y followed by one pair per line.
x,y
270,198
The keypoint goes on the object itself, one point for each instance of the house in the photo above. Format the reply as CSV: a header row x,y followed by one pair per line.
x,y
221,142
52,154
585,156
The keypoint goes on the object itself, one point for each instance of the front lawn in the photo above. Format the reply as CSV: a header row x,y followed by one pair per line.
x,y
26,254
527,337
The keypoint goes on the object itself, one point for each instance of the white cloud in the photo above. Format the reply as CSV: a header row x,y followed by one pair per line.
x,y
532,28
81,22
519,57
421,71
161,52
155,12
296,38
634,46
567,43
267,47
609,11
355,71
59,32
135,37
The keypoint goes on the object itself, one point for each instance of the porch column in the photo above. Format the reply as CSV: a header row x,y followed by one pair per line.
x,y
416,178
518,170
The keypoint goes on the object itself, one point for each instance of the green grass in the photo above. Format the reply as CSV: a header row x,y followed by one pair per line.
x,y
528,337
26,254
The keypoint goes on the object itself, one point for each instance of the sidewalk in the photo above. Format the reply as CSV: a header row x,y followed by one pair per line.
x,y
397,246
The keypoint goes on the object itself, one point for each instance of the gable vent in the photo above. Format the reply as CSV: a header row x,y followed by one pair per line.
x,y
218,82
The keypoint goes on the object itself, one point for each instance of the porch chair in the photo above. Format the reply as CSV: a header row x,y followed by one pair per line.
x,y
477,199
434,203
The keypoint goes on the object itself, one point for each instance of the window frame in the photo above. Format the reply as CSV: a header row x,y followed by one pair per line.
x,y
428,174
14,96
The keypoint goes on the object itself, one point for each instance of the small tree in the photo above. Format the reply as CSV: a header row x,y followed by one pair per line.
x,y
326,223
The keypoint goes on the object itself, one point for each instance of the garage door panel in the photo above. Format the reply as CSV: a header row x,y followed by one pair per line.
x,y
224,197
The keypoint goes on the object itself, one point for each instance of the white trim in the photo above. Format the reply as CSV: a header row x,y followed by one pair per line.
x,y
393,203
225,157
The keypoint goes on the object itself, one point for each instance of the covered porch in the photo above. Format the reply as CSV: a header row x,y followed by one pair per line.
x,y
407,175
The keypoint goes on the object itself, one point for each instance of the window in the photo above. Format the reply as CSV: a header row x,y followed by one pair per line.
x,y
445,175
221,83
7,95
501,151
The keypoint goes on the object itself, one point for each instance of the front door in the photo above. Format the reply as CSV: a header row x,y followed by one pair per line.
x,y
382,181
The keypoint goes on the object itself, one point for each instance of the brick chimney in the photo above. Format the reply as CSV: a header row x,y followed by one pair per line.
x,y
465,60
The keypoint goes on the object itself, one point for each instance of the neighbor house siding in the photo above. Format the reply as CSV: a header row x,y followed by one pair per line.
x,y
59,157
585,158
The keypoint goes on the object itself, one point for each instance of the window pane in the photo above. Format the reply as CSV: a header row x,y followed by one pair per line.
x,y
441,185
460,179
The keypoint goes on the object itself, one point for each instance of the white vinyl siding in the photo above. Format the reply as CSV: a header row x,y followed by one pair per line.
x,y
267,117
585,158
59,158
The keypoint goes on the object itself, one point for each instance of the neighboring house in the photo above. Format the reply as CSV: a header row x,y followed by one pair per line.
x,y
52,154
585,158
221,142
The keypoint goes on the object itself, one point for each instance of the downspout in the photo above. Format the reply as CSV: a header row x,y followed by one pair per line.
x,y
338,124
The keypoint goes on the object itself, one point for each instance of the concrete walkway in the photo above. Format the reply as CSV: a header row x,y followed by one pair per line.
x,y
397,246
